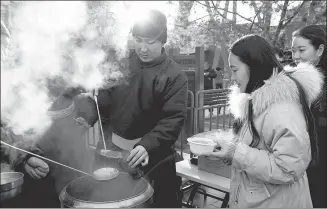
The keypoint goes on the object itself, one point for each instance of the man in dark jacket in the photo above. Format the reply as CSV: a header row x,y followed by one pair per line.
x,y
63,142
147,113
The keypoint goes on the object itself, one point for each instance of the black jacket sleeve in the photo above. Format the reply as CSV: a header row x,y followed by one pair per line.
x,y
12,156
168,128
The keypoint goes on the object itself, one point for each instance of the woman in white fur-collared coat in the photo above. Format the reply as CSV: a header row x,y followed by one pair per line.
x,y
274,139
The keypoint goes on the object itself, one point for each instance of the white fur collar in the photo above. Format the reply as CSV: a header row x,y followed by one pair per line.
x,y
278,88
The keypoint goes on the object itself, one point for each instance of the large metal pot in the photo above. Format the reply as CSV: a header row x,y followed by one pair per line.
x,y
11,185
120,192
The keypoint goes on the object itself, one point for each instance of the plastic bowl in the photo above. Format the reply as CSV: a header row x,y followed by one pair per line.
x,y
200,146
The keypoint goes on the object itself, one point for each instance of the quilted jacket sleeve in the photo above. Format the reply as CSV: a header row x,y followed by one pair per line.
x,y
290,155
12,156
167,130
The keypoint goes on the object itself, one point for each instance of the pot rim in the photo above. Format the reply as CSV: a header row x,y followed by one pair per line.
x,y
18,180
132,201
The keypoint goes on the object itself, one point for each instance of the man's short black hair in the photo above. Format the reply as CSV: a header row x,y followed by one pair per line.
x,y
154,27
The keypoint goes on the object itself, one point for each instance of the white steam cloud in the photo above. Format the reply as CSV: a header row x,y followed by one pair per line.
x,y
66,40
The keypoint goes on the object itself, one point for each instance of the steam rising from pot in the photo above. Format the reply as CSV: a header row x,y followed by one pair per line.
x,y
54,45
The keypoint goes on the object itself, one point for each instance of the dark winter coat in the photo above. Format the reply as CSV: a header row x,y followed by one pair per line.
x,y
152,105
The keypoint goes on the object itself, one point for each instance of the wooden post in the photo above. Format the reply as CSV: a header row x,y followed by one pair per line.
x,y
199,80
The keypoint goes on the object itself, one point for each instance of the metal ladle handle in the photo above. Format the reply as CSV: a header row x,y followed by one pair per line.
x,y
44,158
96,92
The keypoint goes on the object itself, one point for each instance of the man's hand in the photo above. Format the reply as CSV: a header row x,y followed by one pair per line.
x,y
138,155
36,168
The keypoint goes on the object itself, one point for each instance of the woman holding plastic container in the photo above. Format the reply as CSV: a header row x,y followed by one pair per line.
x,y
274,139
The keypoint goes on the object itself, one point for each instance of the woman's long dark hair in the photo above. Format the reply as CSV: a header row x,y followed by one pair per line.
x,y
259,56
311,126
316,34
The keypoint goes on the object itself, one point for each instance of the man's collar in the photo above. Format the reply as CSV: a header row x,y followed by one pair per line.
x,y
156,61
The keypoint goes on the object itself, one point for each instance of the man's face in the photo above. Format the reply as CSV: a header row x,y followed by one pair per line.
x,y
147,49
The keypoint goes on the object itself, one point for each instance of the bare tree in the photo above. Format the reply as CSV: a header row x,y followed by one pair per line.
x,y
280,24
184,11
234,12
257,11
222,29
267,18
226,10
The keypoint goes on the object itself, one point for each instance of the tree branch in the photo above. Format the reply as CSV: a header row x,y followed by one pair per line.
x,y
184,8
253,4
280,24
224,36
257,13
267,19
226,9
321,15
229,21
208,29
294,14
209,10
218,8
198,19
234,10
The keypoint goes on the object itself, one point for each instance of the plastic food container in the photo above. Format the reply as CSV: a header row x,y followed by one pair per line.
x,y
200,146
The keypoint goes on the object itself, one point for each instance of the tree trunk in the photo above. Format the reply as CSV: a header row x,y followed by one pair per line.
x,y
257,10
224,38
181,20
311,14
209,11
304,14
267,18
212,22
280,24
225,11
234,11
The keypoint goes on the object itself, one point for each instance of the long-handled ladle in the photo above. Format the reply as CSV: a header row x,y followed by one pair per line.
x,y
96,92
44,158
102,174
